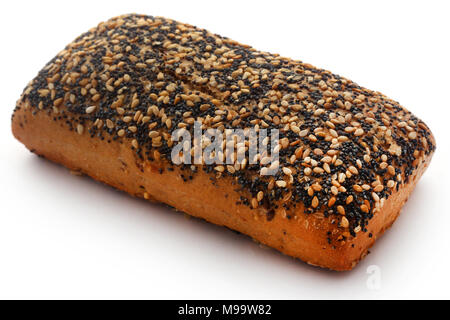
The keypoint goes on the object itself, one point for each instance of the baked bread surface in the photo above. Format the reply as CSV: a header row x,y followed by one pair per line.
x,y
349,157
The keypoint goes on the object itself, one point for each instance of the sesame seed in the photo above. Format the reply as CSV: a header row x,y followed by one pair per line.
x,y
334,190
331,202
326,159
109,124
349,199
303,133
375,197
281,183
231,169
344,222
378,188
318,170
254,203
80,129
341,210
90,109
260,195
359,163
315,202
391,170
353,170
364,208
57,102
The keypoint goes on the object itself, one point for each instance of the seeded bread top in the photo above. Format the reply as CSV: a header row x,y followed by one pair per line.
x,y
343,149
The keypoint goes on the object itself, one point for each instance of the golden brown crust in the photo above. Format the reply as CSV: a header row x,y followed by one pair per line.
x,y
115,164
108,103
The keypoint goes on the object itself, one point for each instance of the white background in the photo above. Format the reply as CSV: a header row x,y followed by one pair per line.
x,y
63,236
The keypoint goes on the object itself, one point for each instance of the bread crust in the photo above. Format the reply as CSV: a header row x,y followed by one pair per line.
x,y
115,164
107,105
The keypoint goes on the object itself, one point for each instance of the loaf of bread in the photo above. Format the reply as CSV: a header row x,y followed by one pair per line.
x,y
348,157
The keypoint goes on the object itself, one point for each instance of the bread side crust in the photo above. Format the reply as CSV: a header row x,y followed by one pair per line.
x,y
114,163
